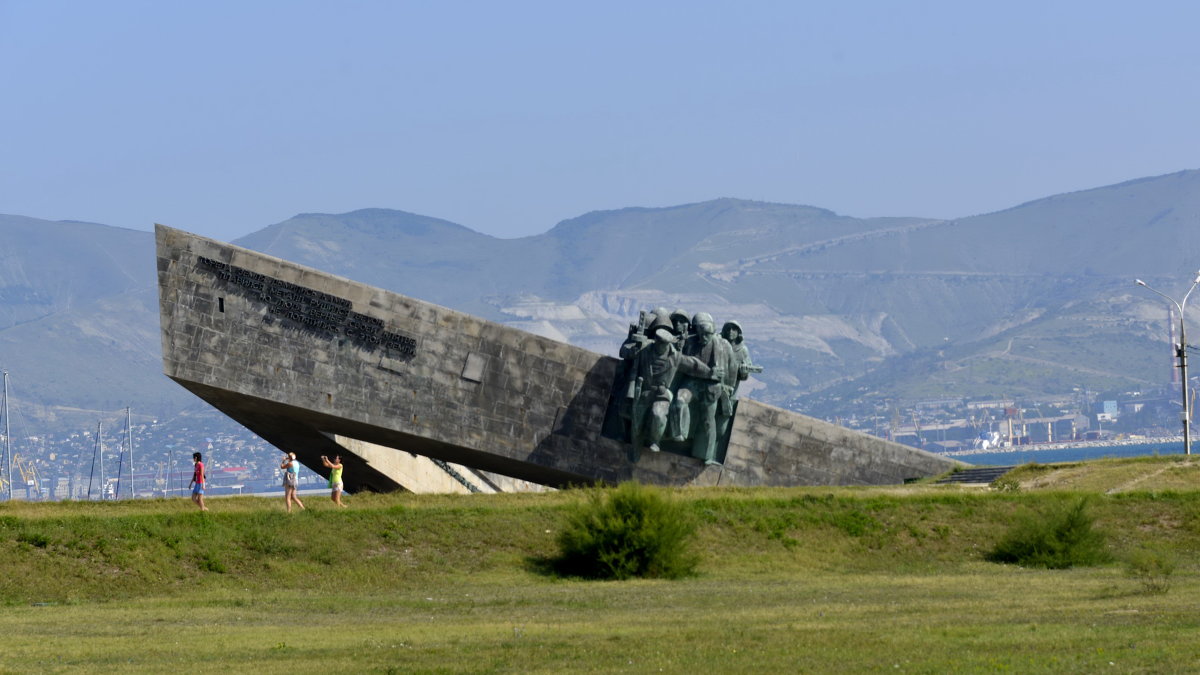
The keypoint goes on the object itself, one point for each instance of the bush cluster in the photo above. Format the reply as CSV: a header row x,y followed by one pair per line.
x,y
1152,567
626,532
1064,537
1006,484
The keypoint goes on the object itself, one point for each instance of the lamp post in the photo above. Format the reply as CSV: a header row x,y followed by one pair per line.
x,y
1181,352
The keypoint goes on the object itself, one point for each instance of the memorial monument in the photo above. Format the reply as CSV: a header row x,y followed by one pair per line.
x,y
317,364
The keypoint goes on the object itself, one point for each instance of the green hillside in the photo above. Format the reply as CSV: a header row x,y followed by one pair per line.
x,y
791,580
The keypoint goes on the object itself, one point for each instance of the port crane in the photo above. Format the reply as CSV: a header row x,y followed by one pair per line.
x,y
29,476
26,467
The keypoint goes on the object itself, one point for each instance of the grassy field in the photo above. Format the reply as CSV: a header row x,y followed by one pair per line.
x,y
791,580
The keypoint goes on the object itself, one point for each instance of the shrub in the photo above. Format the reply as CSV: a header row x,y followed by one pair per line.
x,y
630,531
1064,537
1152,567
210,564
1006,483
34,539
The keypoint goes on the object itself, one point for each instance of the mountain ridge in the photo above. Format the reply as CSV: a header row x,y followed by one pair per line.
x,y
840,309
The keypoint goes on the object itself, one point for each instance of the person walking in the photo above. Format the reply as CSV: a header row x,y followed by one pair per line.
x,y
198,481
291,478
335,478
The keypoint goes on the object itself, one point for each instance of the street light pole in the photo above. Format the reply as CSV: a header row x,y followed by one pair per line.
x,y
1181,352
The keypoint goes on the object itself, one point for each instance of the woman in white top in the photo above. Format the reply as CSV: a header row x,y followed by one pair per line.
x,y
291,476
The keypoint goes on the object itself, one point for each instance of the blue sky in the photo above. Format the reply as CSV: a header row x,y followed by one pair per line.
x,y
507,117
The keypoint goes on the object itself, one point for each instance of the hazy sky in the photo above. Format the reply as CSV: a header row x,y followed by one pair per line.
x,y
507,117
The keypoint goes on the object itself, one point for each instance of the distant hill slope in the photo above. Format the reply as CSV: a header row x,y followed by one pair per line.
x,y
1036,299
79,321
49,267
608,250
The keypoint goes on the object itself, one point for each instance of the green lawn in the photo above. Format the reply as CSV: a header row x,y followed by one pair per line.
x,y
791,580
976,619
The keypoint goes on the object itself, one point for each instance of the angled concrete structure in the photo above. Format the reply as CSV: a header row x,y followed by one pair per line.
x,y
321,365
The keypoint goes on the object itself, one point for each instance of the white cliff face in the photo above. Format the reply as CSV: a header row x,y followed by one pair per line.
x,y
544,311
319,249
602,318
599,321
542,328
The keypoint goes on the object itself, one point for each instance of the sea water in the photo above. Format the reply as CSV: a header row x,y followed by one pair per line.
x,y
1027,454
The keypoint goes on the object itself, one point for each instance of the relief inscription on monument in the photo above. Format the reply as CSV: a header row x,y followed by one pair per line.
x,y
306,309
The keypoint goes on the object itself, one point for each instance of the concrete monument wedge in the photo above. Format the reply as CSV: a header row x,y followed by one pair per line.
x,y
304,358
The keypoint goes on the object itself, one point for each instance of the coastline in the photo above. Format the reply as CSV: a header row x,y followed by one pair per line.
x,y
1068,445
1050,453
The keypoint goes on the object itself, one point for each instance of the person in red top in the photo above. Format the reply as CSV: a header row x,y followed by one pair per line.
x,y
198,481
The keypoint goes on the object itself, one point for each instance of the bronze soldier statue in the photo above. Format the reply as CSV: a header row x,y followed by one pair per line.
x,y
732,332
702,395
654,370
636,341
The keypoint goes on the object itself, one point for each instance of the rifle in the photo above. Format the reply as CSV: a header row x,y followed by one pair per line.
x,y
640,327
635,389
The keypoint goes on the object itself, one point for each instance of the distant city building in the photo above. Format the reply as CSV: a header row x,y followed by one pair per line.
x,y
1132,407
986,405
938,403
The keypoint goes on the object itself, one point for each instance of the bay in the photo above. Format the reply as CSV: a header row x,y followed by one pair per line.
x,y
1027,454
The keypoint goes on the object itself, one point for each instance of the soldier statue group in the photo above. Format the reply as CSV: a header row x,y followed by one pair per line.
x,y
682,380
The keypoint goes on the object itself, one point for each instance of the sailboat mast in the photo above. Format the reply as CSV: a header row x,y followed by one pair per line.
x,y
100,440
7,441
129,442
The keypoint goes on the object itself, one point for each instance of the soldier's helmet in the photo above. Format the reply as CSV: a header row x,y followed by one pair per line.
x,y
662,330
703,319
733,324
680,317
663,312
